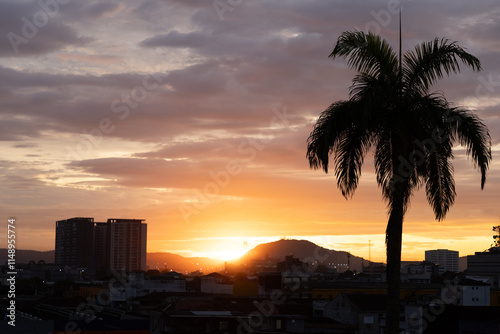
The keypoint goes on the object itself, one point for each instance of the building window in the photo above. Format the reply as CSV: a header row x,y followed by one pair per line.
x,y
278,324
223,326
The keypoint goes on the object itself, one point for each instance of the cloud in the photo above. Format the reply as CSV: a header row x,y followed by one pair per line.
x,y
177,40
214,88
25,145
30,30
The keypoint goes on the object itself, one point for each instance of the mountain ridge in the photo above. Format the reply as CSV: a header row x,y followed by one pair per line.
x,y
275,251
306,251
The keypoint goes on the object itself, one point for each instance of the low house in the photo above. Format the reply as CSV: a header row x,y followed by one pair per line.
x,y
363,312
421,272
216,283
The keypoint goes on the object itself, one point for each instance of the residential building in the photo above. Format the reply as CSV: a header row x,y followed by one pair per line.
x,y
420,272
127,244
134,284
362,312
292,264
473,293
75,242
447,260
217,284
118,244
101,247
485,265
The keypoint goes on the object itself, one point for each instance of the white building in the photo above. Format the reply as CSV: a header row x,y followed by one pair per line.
x,y
474,293
447,260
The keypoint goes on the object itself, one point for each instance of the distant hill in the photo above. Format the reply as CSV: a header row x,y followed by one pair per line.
x,y
274,251
154,260
179,263
305,251
25,256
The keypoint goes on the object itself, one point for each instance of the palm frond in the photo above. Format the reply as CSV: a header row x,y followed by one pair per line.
x,y
431,61
440,185
329,128
377,92
474,136
384,164
349,157
367,53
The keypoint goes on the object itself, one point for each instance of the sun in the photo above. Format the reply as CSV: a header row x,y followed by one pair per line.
x,y
227,255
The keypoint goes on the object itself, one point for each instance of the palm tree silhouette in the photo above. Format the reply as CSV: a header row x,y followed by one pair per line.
x,y
411,131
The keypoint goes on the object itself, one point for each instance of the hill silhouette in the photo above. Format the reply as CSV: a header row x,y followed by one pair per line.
x,y
25,256
273,251
306,251
159,261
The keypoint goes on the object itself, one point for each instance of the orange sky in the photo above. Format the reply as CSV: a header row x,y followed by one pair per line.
x,y
197,121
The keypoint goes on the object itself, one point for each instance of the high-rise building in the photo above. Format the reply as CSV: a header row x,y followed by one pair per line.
x,y
74,242
101,247
446,259
118,244
127,244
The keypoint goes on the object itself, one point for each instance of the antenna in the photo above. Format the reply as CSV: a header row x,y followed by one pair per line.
x,y
400,40
400,74
370,250
370,256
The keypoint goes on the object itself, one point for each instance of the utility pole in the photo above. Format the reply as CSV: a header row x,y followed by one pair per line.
x,y
370,256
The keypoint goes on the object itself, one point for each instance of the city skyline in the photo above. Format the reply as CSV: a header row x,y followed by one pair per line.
x,y
195,117
101,246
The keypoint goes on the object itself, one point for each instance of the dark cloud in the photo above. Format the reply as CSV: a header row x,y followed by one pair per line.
x,y
27,30
25,145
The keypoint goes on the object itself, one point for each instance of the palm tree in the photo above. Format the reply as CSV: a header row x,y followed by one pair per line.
x,y
411,130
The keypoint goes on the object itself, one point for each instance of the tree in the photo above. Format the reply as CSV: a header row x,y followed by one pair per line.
x,y
411,131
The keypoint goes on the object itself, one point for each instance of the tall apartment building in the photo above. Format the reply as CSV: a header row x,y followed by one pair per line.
x,y
118,244
446,259
127,244
101,247
74,242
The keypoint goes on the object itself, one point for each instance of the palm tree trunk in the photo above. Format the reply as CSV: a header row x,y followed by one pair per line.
x,y
394,240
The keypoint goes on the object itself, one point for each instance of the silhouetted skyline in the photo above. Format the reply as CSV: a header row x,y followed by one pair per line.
x,y
196,120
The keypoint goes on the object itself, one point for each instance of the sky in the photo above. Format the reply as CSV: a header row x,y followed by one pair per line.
x,y
194,115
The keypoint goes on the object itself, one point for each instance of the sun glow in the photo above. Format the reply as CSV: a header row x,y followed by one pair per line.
x,y
227,255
